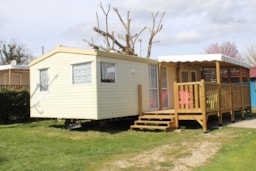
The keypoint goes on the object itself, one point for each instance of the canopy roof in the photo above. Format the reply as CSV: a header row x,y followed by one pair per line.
x,y
7,67
202,59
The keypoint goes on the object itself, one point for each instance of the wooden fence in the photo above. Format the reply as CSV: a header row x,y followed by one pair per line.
x,y
15,87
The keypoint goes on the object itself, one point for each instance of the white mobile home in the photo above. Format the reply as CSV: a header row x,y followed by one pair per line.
x,y
74,83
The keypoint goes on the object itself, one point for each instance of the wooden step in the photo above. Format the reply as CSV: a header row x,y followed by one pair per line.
x,y
151,127
159,117
156,120
147,122
159,112
156,113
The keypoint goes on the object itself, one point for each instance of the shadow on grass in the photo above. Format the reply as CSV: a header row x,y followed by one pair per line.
x,y
109,126
118,125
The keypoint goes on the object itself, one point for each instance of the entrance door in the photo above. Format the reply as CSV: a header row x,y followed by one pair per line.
x,y
164,83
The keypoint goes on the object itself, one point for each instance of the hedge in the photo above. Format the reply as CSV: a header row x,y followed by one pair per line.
x,y
14,106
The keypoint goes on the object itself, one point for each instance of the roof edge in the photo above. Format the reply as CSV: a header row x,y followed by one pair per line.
x,y
63,49
6,67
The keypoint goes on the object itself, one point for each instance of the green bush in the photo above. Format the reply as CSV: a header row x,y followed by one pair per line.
x,y
14,106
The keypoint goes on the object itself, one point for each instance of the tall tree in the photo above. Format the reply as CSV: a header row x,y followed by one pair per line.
x,y
226,48
123,43
13,51
251,57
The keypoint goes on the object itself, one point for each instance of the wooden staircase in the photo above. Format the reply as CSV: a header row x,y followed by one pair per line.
x,y
156,120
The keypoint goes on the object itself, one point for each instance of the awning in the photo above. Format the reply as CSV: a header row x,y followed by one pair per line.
x,y
203,58
7,67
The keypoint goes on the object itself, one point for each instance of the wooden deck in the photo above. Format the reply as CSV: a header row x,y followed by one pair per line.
x,y
198,101
206,99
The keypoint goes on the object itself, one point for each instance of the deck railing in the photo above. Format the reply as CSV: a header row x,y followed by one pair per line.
x,y
199,100
197,97
246,95
236,97
15,87
187,97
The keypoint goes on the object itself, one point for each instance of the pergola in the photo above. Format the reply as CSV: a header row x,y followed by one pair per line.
x,y
224,88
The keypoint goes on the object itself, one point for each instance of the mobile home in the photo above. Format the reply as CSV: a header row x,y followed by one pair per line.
x,y
72,83
253,86
14,76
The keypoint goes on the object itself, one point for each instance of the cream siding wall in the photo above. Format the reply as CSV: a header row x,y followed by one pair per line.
x,y
63,99
121,99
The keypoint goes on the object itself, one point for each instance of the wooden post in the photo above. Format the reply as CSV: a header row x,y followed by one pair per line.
x,y
176,104
10,77
218,79
218,72
231,103
249,85
242,90
203,105
140,99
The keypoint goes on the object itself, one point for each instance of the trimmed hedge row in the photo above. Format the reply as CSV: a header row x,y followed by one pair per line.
x,y
14,106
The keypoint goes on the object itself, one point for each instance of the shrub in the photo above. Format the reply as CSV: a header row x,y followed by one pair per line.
x,y
14,106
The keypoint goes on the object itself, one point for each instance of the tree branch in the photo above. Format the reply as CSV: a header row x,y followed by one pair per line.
x,y
110,36
154,31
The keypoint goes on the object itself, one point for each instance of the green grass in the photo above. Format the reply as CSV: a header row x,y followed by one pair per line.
x,y
46,146
237,155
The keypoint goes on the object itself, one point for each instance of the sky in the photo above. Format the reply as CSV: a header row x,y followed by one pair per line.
x,y
189,26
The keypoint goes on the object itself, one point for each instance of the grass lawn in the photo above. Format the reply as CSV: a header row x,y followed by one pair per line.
x,y
45,145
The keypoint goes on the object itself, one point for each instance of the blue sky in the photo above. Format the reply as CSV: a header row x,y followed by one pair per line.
x,y
189,26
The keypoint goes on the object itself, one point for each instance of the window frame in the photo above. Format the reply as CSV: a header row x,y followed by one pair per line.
x,y
165,87
153,91
84,74
101,73
189,75
254,81
46,80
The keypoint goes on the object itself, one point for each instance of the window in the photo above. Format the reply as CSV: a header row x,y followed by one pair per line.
x,y
164,87
153,86
184,76
188,76
82,73
43,80
107,72
193,76
255,85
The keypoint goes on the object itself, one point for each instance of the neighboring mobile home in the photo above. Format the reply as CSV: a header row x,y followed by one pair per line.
x,y
74,83
253,86
14,76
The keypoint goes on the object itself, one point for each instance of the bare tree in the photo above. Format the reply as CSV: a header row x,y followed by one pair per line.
x,y
251,57
123,43
226,48
13,51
